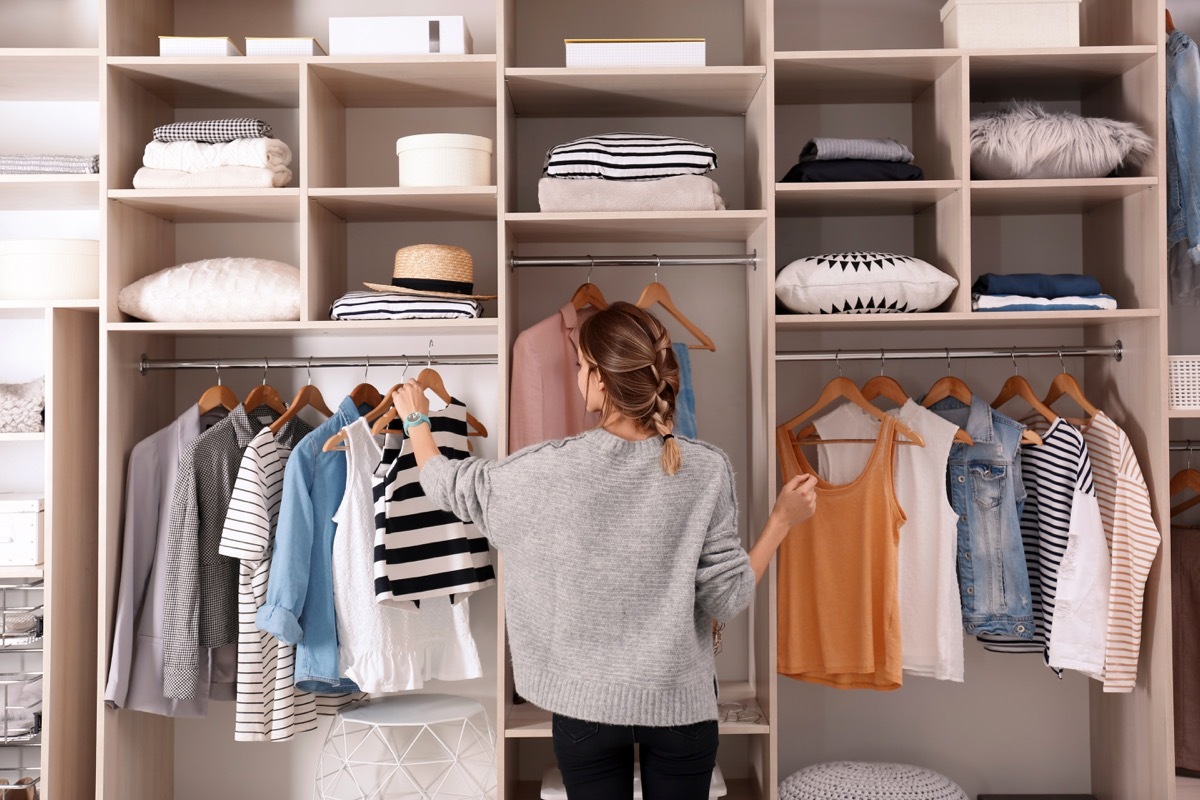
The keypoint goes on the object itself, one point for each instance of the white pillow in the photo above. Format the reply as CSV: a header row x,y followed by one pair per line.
x,y
216,290
862,283
21,406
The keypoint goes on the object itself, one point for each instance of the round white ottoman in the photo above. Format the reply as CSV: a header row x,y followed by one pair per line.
x,y
863,780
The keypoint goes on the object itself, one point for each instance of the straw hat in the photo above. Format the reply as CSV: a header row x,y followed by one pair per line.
x,y
433,270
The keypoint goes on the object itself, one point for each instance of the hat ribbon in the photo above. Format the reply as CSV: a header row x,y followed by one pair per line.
x,y
431,285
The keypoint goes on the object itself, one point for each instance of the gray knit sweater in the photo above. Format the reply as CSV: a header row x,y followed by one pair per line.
x,y
612,570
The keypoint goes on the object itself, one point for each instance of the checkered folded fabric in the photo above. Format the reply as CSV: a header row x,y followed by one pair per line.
x,y
40,164
212,130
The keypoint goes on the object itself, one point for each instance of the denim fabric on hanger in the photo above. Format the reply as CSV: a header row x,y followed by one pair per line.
x,y
983,482
1183,167
685,401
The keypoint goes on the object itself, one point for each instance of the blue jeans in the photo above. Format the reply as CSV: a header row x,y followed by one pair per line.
x,y
596,760
685,401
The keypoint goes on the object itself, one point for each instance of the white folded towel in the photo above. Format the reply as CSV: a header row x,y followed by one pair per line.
x,y
195,156
216,178
677,193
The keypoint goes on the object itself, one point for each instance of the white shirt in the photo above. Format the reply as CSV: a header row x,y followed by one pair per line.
x,y
931,633
269,708
385,648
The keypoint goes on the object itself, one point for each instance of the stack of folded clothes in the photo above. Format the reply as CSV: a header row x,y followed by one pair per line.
x,y
629,172
38,164
429,281
828,160
1039,292
214,154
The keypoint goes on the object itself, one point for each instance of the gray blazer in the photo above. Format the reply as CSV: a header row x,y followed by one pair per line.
x,y
135,672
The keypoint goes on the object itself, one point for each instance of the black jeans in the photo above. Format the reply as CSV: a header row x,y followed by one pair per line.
x,y
596,760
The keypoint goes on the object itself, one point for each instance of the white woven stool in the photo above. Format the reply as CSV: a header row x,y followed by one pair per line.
x,y
411,746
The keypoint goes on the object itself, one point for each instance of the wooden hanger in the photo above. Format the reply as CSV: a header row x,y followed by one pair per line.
x,y
1186,480
308,396
588,294
217,396
365,394
1018,386
428,379
950,386
1065,384
264,395
382,405
842,387
657,293
1170,22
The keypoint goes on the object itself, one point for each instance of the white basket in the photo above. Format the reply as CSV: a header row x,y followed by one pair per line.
x,y
1184,377
444,159
1010,23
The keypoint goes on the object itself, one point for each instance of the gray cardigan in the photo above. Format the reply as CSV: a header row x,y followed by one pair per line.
x,y
612,570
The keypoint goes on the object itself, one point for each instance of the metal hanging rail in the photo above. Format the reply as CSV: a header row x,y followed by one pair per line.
x,y
652,260
314,362
1187,445
1114,351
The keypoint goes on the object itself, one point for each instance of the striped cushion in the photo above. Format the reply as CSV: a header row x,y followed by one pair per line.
x,y
629,157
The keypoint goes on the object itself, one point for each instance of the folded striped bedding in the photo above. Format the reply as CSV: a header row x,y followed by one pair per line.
x,y
385,305
629,157
1016,302
41,164
212,130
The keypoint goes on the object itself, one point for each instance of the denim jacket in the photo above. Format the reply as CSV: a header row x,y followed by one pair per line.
x,y
1183,163
299,607
983,482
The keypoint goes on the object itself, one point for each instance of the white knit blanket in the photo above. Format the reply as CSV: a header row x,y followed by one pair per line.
x,y
677,193
216,178
196,156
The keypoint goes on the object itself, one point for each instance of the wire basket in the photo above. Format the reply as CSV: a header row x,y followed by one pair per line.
x,y
1184,375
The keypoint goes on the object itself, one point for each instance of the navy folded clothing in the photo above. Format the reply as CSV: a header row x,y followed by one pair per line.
x,y
1036,284
852,169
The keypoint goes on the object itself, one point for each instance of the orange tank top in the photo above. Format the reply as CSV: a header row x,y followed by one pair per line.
x,y
839,615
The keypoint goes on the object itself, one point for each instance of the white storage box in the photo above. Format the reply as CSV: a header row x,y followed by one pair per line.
x,y
21,528
197,46
283,46
1010,23
444,159
1184,380
49,269
398,36
635,52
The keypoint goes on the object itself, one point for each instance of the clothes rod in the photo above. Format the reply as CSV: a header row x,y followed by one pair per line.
x,y
290,362
652,260
1114,351
1185,445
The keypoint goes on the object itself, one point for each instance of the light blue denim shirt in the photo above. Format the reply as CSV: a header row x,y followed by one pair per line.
x,y
299,608
1183,165
685,401
983,483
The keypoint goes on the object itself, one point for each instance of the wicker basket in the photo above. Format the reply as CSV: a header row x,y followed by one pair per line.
x,y
444,159
1184,381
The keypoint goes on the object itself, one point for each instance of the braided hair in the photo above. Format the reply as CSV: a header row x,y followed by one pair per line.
x,y
631,350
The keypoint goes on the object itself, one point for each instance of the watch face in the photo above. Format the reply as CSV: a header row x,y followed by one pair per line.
x,y
414,416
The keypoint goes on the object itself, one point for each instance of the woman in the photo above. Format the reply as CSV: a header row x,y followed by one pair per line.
x,y
620,546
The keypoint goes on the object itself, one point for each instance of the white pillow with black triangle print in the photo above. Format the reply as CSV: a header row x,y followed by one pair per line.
x,y
862,283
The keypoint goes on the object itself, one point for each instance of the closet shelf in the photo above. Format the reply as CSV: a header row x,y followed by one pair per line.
x,y
871,198
383,204
1066,196
485,327
21,573
627,227
527,721
36,73
414,82
625,92
1183,413
215,82
214,205
1068,73
49,192
22,437
959,320
858,76
19,309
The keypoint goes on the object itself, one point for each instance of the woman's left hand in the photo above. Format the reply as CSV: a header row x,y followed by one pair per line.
x,y
409,398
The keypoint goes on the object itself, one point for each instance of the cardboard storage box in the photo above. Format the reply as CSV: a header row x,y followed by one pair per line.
x,y
190,46
398,36
49,269
635,52
1010,23
21,529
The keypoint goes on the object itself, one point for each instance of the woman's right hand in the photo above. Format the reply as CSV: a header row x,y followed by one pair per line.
x,y
797,500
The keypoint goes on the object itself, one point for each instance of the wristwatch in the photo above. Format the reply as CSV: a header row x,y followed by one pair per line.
x,y
414,419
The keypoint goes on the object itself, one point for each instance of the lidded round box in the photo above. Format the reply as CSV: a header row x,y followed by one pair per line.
x,y
49,269
444,159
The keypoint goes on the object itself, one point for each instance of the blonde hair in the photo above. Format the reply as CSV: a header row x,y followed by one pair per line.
x,y
631,350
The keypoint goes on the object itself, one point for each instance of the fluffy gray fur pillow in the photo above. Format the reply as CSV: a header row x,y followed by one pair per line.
x,y
21,406
1026,141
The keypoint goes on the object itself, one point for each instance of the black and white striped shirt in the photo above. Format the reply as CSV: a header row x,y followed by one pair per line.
x,y
629,157
420,550
389,305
